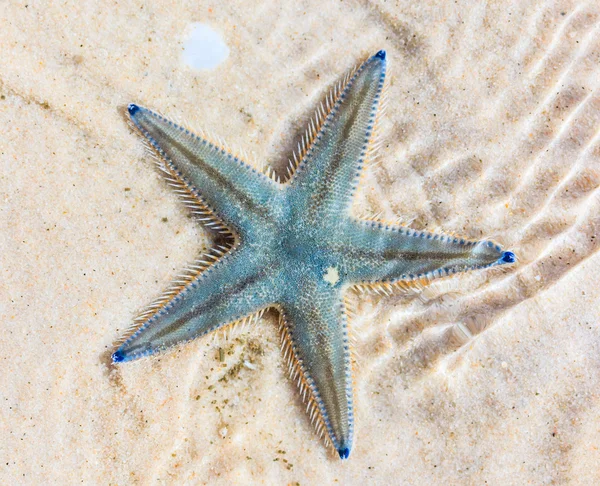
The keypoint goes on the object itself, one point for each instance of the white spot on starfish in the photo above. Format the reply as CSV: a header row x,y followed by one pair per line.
x,y
332,276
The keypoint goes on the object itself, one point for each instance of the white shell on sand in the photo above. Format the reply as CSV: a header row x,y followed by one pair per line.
x,y
203,48
492,130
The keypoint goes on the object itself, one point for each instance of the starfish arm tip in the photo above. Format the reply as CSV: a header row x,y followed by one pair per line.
x,y
381,54
508,257
132,108
118,356
344,452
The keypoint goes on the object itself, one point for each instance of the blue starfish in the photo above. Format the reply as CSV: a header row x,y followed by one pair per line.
x,y
294,246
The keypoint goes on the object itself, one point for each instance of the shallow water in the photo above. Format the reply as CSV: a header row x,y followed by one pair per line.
x,y
493,130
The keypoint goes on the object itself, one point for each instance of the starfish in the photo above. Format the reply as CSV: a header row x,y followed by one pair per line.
x,y
294,246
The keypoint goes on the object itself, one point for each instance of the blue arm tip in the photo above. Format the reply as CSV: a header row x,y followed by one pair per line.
x,y
344,452
132,108
118,357
508,257
380,54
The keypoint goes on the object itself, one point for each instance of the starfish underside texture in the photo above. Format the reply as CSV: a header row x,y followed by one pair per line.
x,y
294,246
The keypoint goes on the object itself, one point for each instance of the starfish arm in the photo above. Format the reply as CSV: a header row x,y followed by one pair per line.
x,y
377,253
315,331
329,172
218,180
230,290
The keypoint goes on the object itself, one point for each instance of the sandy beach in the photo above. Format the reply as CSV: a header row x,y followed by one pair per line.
x,y
492,131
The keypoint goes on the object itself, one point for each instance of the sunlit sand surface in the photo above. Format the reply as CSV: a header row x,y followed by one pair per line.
x,y
492,130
